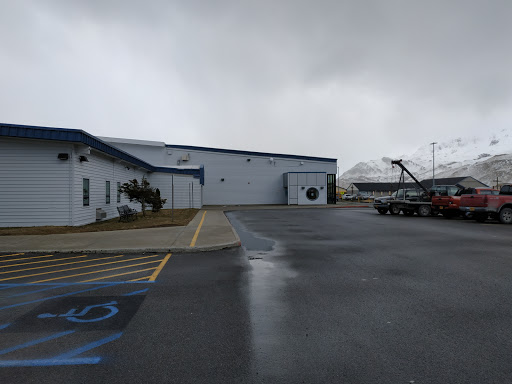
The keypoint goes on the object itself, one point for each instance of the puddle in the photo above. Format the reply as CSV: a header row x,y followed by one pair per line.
x,y
254,246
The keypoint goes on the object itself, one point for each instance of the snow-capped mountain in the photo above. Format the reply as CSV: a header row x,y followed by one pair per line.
x,y
485,158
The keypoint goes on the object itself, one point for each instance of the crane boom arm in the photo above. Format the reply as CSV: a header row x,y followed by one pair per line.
x,y
399,163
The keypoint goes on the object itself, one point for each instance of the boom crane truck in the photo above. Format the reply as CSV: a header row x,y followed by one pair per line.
x,y
420,203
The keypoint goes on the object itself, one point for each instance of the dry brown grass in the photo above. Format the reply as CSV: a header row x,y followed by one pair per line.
x,y
152,220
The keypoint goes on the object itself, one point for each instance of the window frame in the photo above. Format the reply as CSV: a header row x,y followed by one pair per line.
x,y
107,192
86,192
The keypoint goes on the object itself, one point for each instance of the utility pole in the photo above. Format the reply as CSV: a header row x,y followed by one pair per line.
x,y
433,173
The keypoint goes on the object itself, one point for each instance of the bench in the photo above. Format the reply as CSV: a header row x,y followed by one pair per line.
x,y
126,213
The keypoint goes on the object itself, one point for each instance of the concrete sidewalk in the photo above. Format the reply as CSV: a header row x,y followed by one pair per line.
x,y
213,232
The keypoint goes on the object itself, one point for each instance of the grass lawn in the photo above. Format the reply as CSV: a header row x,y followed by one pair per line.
x,y
152,220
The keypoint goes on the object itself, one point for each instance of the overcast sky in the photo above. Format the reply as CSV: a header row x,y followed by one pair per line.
x,y
353,80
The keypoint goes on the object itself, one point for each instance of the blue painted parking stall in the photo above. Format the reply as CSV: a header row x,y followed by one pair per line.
x,y
66,323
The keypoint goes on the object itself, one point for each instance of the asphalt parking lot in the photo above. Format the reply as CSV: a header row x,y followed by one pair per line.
x,y
315,295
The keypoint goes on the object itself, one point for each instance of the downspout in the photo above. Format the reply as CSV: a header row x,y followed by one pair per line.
x,y
71,183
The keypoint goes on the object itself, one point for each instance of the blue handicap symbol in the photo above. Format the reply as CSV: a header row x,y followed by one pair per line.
x,y
73,316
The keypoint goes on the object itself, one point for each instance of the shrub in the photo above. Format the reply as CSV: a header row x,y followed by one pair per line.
x,y
143,194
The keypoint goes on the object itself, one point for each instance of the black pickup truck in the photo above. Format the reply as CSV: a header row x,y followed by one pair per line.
x,y
381,204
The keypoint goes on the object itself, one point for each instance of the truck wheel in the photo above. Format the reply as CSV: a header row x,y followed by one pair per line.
x,y
424,210
480,217
506,216
382,211
408,212
394,209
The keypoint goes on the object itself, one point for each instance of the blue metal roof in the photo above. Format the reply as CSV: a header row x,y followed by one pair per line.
x,y
248,153
79,136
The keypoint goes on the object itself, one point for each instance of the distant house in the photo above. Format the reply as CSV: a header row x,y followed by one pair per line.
x,y
465,181
377,189
384,189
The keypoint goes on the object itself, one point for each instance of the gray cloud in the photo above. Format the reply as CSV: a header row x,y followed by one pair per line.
x,y
348,79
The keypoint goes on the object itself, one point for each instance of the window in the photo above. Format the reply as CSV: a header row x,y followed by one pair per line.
x,y
85,192
107,192
505,190
118,192
452,190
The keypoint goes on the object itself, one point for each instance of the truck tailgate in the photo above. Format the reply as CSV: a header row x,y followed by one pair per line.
x,y
473,201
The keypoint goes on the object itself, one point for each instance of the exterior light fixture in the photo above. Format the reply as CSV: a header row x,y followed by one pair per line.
x,y
83,158
221,179
248,159
63,156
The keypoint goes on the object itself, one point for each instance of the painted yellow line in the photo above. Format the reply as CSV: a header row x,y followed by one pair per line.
x,y
119,274
141,278
103,270
25,258
43,261
159,268
194,239
14,254
71,269
59,265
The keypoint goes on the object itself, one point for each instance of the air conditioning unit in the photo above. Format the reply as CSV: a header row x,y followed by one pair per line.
x,y
185,157
100,214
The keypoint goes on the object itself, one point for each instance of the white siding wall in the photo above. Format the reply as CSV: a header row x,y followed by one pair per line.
x,y
98,170
259,181
34,183
187,190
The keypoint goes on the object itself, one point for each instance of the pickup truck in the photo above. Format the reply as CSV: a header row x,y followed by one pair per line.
x,y
399,201
381,203
449,206
483,206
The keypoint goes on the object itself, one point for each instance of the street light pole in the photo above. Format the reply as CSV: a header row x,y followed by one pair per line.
x,y
433,174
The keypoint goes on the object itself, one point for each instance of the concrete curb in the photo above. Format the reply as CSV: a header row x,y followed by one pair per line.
x,y
238,241
208,248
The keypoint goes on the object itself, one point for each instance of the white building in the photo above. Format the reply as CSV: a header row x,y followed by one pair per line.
x,y
54,176
240,177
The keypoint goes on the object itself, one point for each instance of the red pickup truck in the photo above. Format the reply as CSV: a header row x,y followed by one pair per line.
x,y
494,206
448,206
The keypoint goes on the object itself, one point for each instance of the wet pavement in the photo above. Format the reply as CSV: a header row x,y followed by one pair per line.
x,y
313,296
355,297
